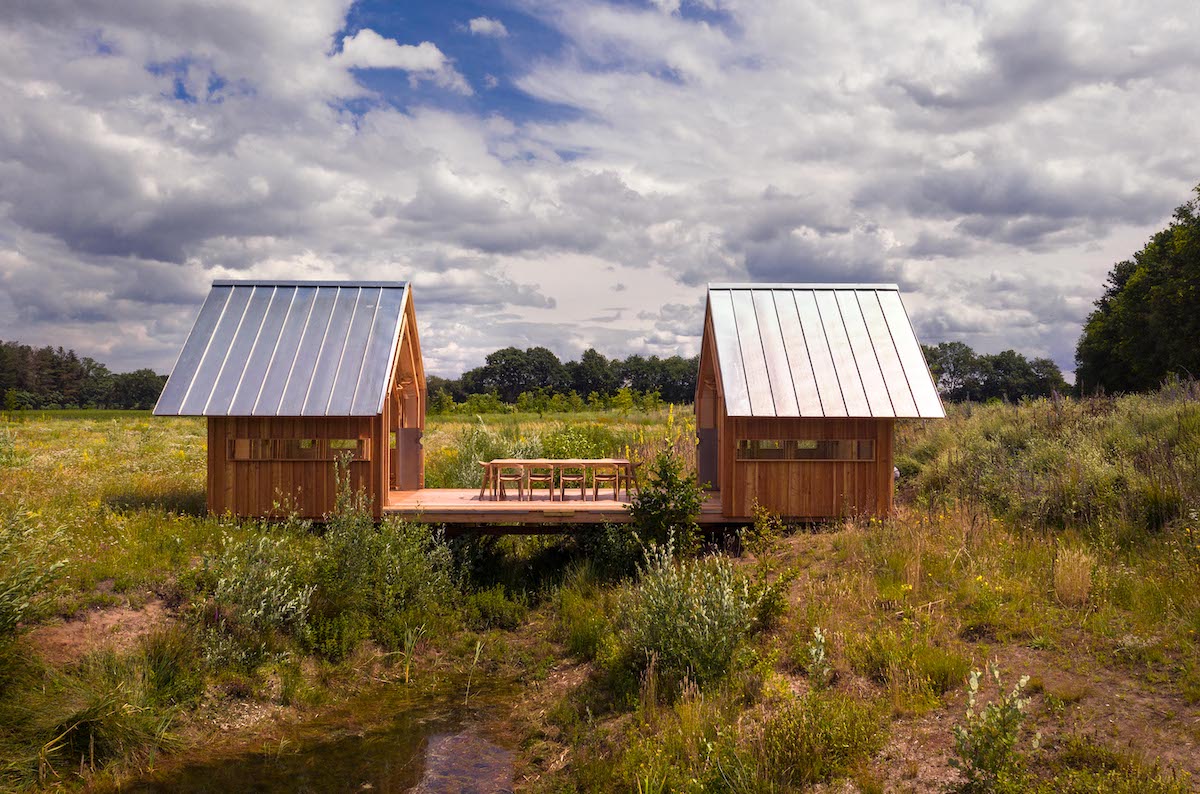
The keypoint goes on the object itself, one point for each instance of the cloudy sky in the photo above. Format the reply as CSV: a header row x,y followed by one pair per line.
x,y
571,173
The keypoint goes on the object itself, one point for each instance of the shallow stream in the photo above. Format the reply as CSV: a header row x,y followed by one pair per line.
x,y
393,739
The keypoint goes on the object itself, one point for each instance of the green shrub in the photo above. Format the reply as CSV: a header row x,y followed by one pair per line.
x,y
258,585
764,534
819,737
986,746
668,504
335,636
494,609
374,581
817,666
614,550
691,616
770,597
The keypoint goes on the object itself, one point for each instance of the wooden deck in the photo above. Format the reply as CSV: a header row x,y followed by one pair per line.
x,y
462,506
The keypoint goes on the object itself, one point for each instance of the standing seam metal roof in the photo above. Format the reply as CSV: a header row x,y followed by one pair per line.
x,y
288,348
819,350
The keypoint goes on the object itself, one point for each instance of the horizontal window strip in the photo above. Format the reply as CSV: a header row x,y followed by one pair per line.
x,y
298,449
806,450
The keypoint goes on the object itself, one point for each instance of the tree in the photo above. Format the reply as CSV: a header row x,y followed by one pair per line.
x,y
136,390
1146,325
955,369
592,373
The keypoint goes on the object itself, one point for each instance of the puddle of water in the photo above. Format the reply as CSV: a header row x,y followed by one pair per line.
x,y
393,742
465,763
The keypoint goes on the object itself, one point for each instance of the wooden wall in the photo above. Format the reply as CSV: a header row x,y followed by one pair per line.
x,y
806,489
277,487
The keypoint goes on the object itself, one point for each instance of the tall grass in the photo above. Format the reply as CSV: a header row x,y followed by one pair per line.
x,y
1115,469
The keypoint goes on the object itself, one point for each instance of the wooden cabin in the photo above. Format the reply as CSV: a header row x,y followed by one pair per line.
x,y
799,390
293,375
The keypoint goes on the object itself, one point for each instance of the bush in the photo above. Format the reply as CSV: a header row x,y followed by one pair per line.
x,y
691,616
764,534
986,745
816,665
668,505
258,585
819,737
613,550
494,609
375,581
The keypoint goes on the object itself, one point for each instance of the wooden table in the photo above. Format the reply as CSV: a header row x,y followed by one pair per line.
x,y
493,468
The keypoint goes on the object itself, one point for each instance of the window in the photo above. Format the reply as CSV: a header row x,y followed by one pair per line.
x,y
298,449
806,449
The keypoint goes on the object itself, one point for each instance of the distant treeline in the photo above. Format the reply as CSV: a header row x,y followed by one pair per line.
x,y
963,375
535,379
49,378
514,380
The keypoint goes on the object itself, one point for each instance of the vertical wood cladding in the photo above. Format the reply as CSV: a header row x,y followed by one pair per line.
x,y
280,487
806,489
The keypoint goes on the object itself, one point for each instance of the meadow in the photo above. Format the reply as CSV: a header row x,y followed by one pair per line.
x,y
1054,540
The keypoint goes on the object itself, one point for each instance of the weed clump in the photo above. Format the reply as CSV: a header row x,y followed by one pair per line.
x,y
986,746
27,570
818,737
1073,576
914,670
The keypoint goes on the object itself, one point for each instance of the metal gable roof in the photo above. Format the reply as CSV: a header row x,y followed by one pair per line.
x,y
819,350
288,348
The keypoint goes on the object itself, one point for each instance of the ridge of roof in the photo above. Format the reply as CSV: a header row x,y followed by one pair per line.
x,y
801,285
237,282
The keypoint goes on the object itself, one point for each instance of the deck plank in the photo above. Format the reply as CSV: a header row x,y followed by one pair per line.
x,y
463,506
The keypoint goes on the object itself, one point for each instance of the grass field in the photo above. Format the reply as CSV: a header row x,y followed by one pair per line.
x,y
1056,540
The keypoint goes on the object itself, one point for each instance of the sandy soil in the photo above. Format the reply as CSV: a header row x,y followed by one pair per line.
x,y
114,628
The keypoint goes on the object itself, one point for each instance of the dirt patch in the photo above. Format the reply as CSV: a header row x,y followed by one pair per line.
x,y
115,628
917,754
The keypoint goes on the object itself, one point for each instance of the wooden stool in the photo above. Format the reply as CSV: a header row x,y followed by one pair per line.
x,y
489,482
572,477
606,476
504,478
541,474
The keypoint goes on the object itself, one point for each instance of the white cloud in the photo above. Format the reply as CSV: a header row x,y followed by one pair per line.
x,y
486,26
994,161
366,49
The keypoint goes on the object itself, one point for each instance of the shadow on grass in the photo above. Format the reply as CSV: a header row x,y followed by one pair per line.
x,y
185,501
